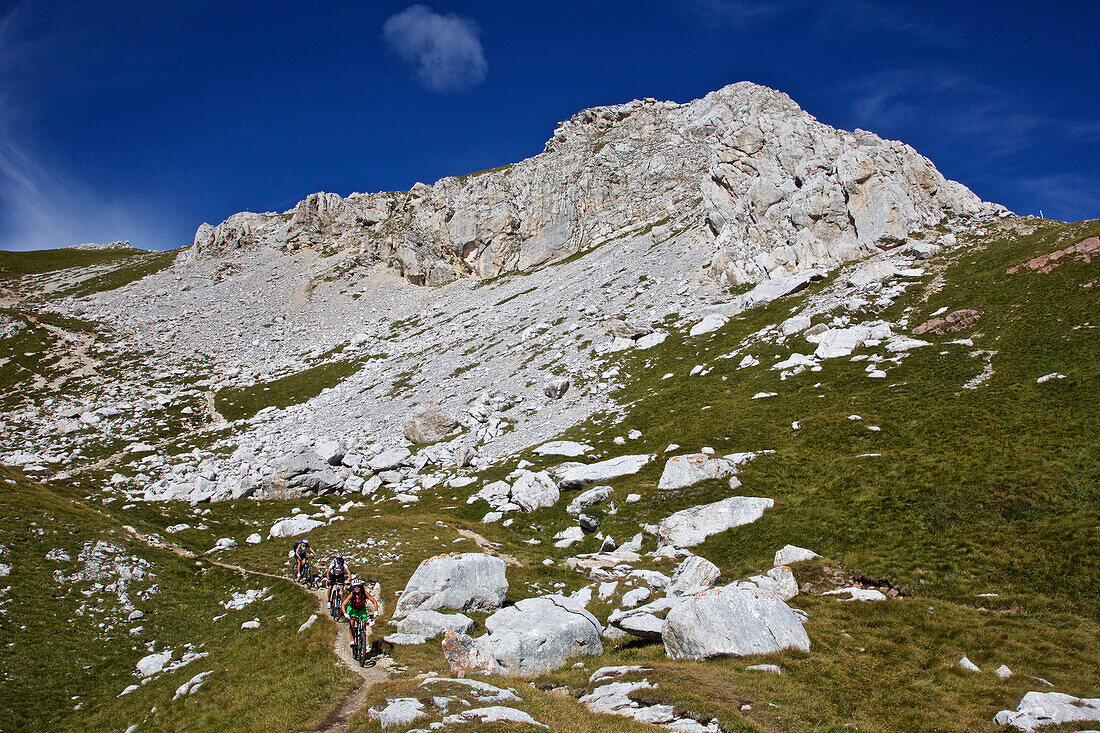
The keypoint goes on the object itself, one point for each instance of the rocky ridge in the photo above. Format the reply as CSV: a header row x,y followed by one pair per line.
x,y
770,188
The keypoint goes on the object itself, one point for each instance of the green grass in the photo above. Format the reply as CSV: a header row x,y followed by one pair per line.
x,y
236,403
133,269
516,295
60,654
991,490
475,174
36,262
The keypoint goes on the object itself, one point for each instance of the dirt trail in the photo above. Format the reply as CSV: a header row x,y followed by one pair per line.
x,y
489,547
337,720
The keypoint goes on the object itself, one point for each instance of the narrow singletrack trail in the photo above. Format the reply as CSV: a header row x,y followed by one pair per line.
x,y
337,720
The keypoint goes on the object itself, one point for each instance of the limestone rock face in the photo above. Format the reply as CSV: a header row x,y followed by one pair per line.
x,y
459,581
732,621
429,424
779,192
429,624
689,527
538,635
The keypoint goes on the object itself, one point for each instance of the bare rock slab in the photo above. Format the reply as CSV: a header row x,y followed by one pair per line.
x,y
469,581
690,527
580,475
732,621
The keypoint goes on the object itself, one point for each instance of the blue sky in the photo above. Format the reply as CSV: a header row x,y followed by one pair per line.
x,y
140,120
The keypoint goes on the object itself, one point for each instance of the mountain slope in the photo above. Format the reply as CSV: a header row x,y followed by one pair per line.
x,y
921,418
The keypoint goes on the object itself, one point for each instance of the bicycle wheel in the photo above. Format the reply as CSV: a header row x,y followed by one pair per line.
x,y
361,644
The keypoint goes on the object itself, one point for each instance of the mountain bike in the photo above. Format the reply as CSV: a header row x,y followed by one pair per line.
x,y
359,650
336,597
307,577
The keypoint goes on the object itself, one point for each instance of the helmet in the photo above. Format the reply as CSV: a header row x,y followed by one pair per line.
x,y
339,555
305,541
358,583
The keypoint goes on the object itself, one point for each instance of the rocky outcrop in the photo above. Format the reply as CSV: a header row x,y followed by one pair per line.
x,y
777,192
732,622
694,575
467,581
681,471
429,424
689,527
533,637
579,475
1049,708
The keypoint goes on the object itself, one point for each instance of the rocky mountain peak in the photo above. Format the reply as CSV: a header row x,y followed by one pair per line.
x,y
773,190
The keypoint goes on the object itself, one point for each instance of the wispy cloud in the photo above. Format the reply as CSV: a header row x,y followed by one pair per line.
x,y
837,17
739,13
965,112
994,138
44,203
445,49
1068,196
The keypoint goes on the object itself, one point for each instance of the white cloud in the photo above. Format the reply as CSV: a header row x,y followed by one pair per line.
x,y
444,49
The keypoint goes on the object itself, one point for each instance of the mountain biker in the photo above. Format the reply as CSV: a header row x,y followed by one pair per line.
x,y
302,552
355,606
337,574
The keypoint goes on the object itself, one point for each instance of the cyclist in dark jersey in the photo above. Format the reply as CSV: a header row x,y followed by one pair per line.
x,y
338,572
302,551
355,606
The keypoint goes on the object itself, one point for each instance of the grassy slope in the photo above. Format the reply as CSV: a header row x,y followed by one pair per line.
x,y
35,262
57,659
992,490
235,403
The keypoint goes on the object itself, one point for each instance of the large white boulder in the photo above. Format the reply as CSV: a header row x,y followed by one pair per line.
x,y
779,581
429,624
389,460
791,554
713,322
563,448
398,711
429,424
580,475
469,581
837,342
732,621
538,635
492,714
533,491
150,664
694,575
588,498
681,471
293,526
1049,708
646,622
690,527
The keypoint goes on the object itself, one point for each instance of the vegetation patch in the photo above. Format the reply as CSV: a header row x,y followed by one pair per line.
x,y
236,403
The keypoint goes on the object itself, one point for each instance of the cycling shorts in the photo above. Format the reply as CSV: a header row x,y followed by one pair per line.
x,y
359,613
